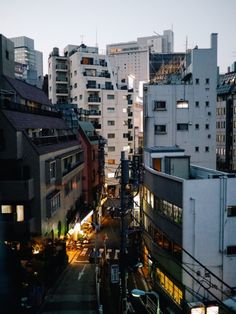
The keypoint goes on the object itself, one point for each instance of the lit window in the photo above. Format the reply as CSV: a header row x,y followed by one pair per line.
x,y
20,212
6,209
111,161
182,104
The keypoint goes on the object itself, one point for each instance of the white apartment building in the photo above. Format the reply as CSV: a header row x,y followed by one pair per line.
x,y
29,62
84,77
180,110
130,60
190,246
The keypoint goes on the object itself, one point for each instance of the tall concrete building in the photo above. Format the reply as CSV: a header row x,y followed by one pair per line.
x,y
130,60
84,77
180,109
29,62
188,242
226,122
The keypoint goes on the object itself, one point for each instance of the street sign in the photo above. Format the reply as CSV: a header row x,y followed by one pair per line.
x,y
115,273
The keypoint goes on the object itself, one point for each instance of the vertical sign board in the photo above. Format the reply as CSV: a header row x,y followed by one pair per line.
x,y
115,273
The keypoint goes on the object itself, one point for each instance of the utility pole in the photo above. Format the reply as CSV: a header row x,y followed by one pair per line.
x,y
123,245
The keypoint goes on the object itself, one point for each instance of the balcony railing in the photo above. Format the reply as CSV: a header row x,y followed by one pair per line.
x,y
61,67
62,91
94,99
61,79
50,140
94,112
97,125
26,109
91,86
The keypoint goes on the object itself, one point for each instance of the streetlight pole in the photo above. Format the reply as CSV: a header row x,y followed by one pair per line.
x,y
123,247
138,293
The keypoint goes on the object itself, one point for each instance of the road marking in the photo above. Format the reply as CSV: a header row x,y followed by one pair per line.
x,y
83,253
130,307
116,254
82,262
81,272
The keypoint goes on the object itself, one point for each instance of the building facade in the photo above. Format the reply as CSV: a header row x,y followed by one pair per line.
x,y
83,76
28,61
130,60
188,245
226,123
180,110
93,172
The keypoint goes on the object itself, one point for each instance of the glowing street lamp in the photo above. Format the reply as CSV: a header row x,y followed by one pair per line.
x,y
138,293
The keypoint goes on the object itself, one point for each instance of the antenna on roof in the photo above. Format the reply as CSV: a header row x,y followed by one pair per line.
x,y
82,38
156,33
96,44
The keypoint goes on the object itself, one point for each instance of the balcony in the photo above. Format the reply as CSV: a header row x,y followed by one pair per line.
x,y
91,86
17,190
94,99
62,91
97,125
61,67
62,79
50,140
94,112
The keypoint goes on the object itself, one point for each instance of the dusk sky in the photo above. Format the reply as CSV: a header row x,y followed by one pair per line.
x,y
57,23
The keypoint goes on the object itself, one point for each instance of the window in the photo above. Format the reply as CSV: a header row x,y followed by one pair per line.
x,y
110,109
160,128
231,250
52,170
207,80
159,105
207,103
182,126
20,212
111,161
197,126
6,209
110,97
207,126
110,122
196,149
111,148
55,203
182,104
197,81
111,135
75,85
7,54
231,211
207,149
80,97
75,72
196,103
